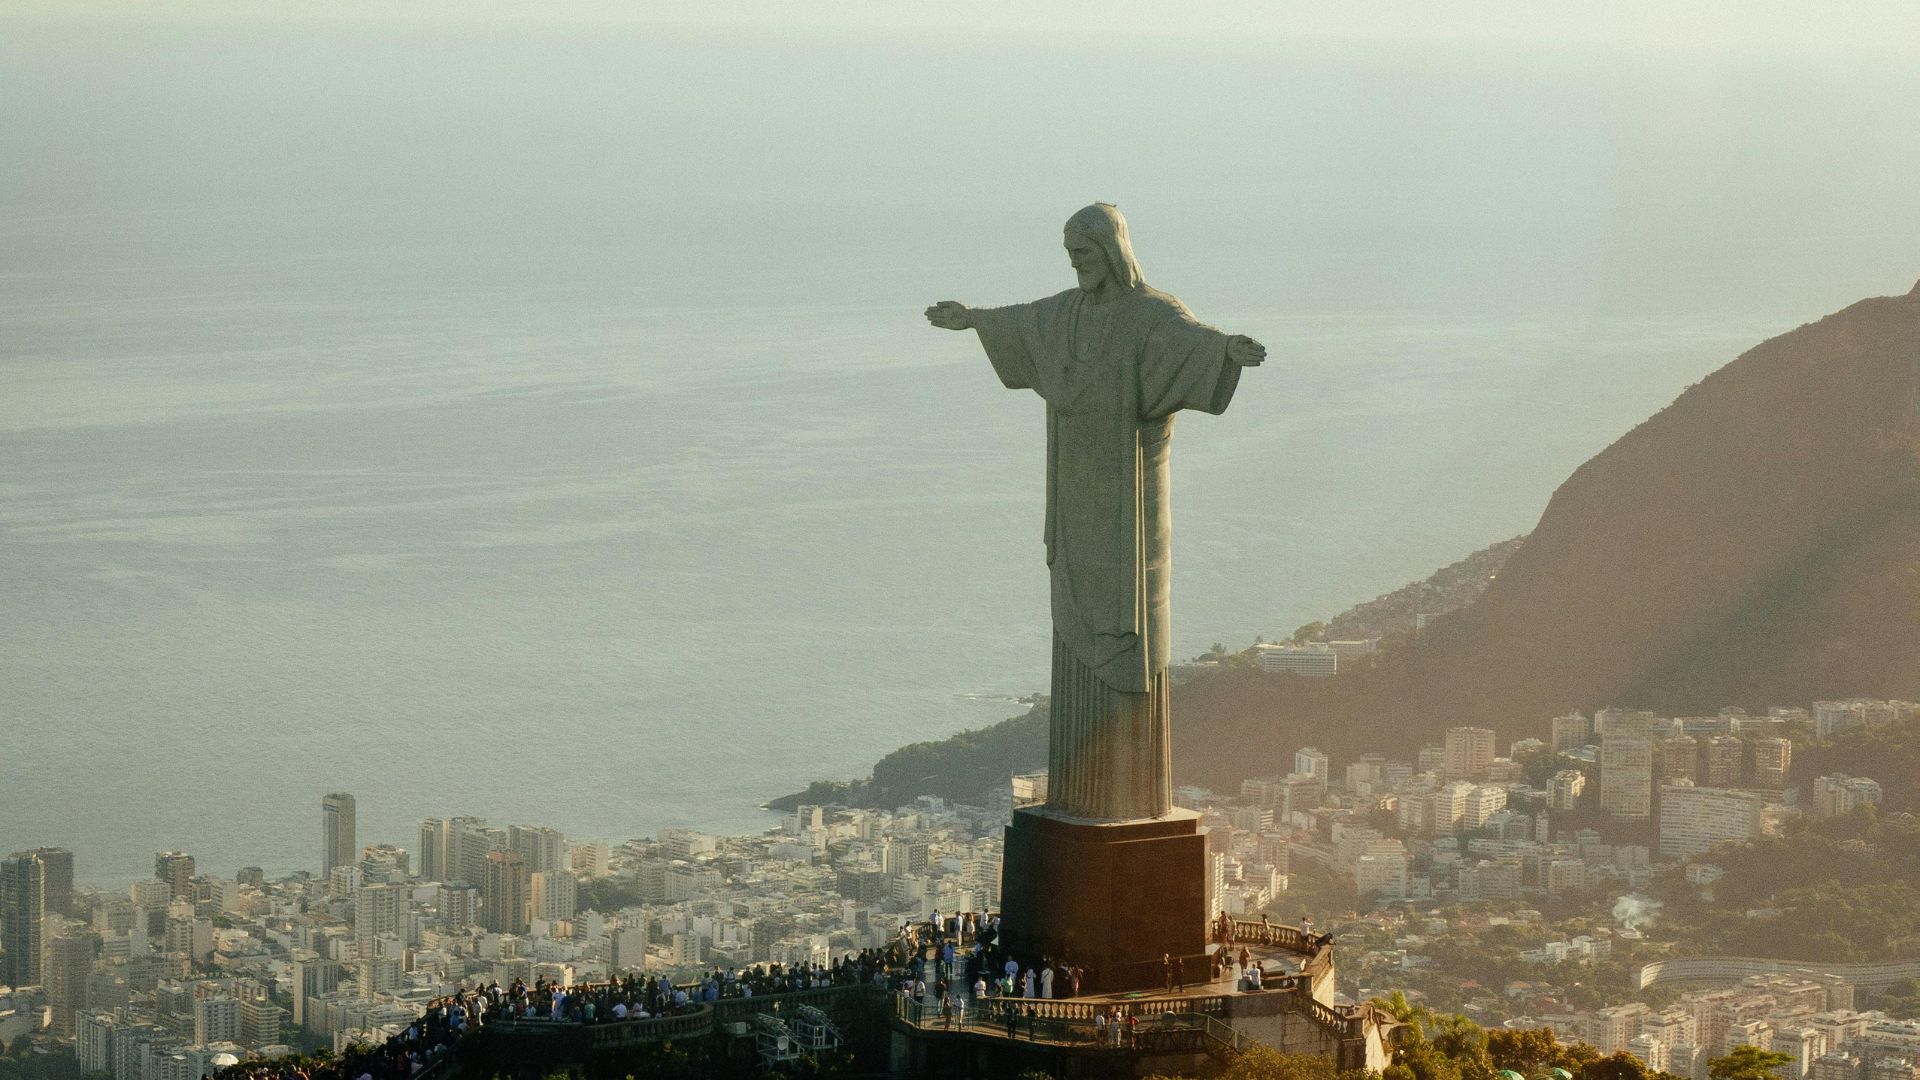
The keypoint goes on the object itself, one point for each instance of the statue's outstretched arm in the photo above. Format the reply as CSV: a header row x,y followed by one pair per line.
x,y
951,315
1245,351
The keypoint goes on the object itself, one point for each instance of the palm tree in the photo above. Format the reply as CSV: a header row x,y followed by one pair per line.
x,y
1407,1015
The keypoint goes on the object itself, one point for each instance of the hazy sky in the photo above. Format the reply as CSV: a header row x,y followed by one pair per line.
x,y
370,371
1710,25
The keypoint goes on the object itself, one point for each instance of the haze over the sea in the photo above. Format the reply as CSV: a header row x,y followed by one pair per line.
x,y
534,418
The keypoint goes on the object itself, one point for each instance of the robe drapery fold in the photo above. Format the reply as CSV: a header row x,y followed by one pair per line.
x,y
1112,385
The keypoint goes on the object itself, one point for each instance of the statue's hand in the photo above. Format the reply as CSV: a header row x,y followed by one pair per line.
x,y
950,315
1245,351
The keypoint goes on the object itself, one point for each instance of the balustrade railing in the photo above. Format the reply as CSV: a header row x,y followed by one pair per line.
x,y
823,997
1279,936
685,1025
1072,1023
699,1021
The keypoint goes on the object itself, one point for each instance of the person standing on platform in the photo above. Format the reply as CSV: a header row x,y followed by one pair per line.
x,y
1166,961
1046,980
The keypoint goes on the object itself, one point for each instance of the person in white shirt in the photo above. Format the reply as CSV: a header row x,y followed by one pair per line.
x,y
1046,981
1026,984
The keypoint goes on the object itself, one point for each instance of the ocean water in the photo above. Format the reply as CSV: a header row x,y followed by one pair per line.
x,y
542,425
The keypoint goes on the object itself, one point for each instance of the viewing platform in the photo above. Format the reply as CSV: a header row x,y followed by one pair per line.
x,y
1209,1021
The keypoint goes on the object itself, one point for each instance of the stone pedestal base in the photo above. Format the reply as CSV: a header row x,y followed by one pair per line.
x,y
1110,897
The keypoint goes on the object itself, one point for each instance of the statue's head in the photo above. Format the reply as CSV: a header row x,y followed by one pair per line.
x,y
1097,245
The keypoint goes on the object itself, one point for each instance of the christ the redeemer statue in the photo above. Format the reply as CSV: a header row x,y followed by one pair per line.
x,y
1114,359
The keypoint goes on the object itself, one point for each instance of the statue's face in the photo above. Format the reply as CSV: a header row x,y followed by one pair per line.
x,y
1089,262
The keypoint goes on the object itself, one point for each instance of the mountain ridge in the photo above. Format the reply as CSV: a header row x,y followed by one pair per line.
x,y
1755,542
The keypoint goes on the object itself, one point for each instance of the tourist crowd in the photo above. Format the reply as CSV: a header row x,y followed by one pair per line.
x,y
444,1023
945,962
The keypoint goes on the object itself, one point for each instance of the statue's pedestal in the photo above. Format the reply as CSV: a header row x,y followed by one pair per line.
x,y
1110,897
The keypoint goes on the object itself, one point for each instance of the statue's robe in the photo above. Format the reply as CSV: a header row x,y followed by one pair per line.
x,y
1112,376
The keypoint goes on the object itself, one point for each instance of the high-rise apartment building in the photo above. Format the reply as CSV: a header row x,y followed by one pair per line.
x,y
216,1019
435,837
1469,750
175,868
344,881
93,1043
338,831
1366,774
69,969
555,895
1382,872
1626,766
377,912
385,862
504,894
1772,760
1430,759
589,858
261,1022
1695,820
1449,807
23,888
1571,732
57,872
1311,761
1563,793
1726,761
1484,801
544,849
378,975
629,948
459,905
901,857
313,975
470,841
1606,718
1679,759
